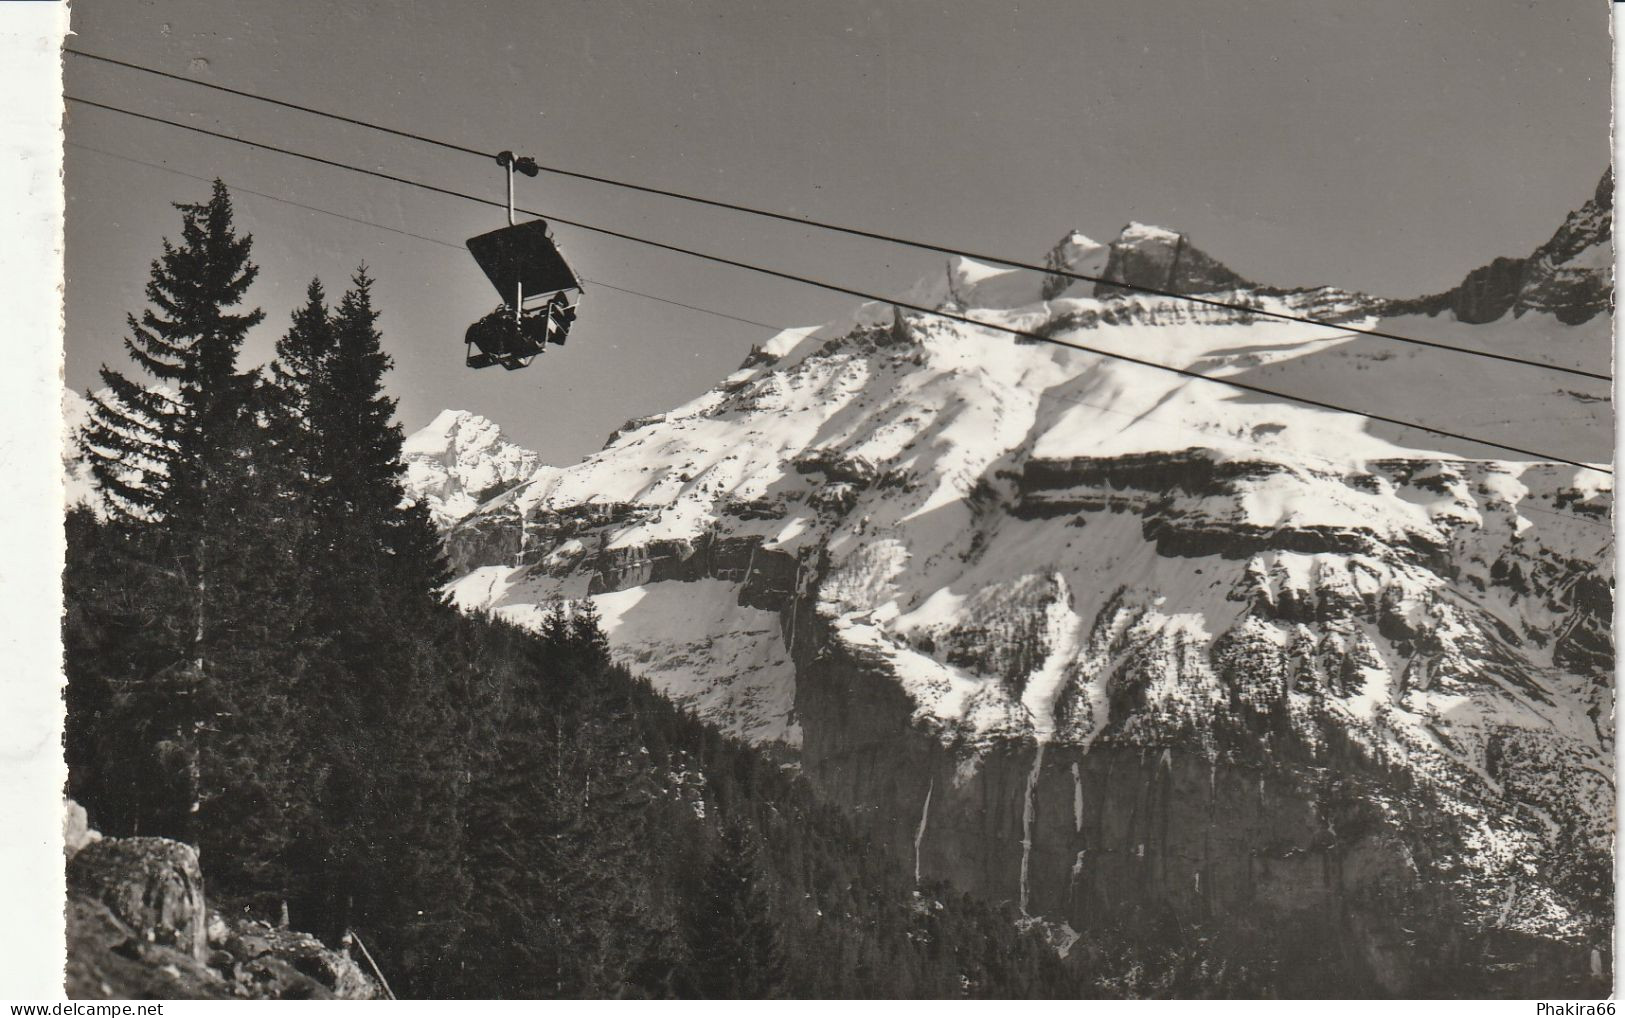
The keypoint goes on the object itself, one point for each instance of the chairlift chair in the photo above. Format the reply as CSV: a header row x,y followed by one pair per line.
x,y
530,275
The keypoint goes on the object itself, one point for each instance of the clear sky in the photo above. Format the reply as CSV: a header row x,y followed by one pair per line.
x,y
1385,145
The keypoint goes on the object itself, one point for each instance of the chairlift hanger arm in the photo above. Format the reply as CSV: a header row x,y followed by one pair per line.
x,y
520,260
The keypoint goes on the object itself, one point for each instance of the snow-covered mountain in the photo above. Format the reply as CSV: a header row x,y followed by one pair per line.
x,y
1122,646
1132,649
459,459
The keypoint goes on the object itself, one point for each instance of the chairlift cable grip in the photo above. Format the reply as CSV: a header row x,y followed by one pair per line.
x,y
519,287
508,165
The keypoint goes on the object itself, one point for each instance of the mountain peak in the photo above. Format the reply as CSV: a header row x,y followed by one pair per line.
x,y
1137,232
459,460
984,579
1157,258
1076,253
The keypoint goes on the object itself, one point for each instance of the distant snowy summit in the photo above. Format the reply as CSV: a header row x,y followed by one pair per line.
x,y
1153,258
690,525
460,460
1131,278
1142,257
1569,277
1078,629
1112,642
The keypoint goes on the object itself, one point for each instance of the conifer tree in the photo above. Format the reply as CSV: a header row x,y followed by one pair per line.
x,y
151,450
298,382
378,735
171,457
587,634
516,759
297,396
732,941
120,639
556,634
633,935
361,427
257,662
250,784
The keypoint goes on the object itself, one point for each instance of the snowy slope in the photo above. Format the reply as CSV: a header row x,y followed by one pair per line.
x,y
1041,546
449,462
951,407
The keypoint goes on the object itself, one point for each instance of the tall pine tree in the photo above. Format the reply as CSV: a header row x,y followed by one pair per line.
x,y
374,696
298,385
152,449
361,426
168,458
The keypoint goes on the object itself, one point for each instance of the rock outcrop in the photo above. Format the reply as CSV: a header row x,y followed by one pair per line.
x,y
76,829
1569,277
152,885
1159,259
1489,291
1077,254
139,928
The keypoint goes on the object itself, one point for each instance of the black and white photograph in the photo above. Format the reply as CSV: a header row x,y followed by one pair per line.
x,y
919,499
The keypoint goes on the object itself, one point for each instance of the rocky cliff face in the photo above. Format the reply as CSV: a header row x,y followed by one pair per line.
x,y
1319,776
1158,259
1571,276
1130,650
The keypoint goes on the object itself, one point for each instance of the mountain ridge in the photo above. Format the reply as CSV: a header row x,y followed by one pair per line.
x,y
998,593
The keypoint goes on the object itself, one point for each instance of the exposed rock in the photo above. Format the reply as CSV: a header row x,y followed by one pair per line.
x,y
460,460
1489,292
1159,259
1570,276
283,964
138,928
1311,866
107,960
153,885
1077,254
